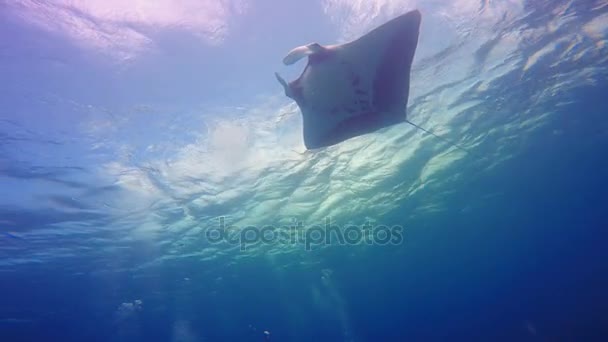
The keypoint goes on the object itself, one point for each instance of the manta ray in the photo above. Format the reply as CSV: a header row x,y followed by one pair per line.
x,y
356,88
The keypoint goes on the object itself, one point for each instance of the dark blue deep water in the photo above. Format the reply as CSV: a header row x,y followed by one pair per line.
x,y
113,170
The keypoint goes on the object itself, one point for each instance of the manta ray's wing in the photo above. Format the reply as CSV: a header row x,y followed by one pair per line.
x,y
355,88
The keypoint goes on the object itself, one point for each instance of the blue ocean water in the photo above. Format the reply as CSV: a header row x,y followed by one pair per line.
x,y
130,132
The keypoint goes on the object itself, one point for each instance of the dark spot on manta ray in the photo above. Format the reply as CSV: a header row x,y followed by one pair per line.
x,y
381,60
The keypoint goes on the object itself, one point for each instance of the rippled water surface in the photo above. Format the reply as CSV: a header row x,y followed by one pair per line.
x,y
130,130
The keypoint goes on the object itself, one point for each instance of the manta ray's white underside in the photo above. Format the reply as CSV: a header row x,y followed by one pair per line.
x,y
355,88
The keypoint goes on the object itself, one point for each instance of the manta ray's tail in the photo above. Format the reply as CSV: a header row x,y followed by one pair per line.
x,y
438,136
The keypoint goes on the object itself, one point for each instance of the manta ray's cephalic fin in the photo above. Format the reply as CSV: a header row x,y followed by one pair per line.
x,y
301,52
